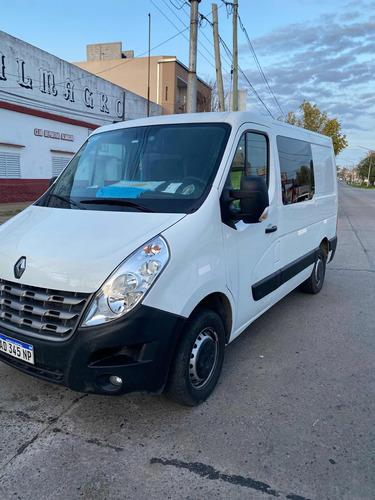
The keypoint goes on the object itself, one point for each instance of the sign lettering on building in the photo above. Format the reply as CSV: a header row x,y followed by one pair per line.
x,y
69,90
23,80
67,137
47,79
49,134
2,66
47,83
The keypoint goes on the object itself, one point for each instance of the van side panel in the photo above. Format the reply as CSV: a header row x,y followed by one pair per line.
x,y
303,225
325,183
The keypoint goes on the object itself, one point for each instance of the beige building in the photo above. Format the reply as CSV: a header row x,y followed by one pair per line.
x,y
168,77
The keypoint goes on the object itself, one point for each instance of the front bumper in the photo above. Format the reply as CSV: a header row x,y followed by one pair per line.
x,y
138,348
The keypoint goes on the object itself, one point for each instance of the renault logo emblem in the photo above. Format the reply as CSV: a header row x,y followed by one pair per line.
x,y
20,267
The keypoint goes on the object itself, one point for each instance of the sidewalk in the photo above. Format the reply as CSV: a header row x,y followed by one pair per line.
x,y
8,210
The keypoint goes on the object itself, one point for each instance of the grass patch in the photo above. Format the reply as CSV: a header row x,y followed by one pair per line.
x,y
361,186
9,213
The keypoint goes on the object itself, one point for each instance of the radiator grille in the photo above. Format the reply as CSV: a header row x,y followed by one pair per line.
x,y
38,312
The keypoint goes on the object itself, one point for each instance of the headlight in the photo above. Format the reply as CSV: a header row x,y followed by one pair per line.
x,y
128,284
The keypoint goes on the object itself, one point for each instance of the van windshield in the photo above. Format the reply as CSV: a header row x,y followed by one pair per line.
x,y
159,168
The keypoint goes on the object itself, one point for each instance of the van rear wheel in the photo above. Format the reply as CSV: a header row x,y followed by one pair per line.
x,y
198,359
314,283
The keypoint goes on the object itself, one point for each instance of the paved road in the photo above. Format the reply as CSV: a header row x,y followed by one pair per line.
x,y
357,225
292,417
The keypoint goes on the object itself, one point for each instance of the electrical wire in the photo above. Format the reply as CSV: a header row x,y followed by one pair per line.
x,y
229,54
200,27
123,61
226,48
180,7
186,38
259,65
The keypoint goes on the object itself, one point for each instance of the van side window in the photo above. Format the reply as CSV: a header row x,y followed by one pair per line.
x,y
297,171
251,158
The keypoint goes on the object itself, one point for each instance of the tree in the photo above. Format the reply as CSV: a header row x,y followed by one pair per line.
x,y
313,119
363,167
215,95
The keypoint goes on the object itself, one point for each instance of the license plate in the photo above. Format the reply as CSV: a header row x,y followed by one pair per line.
x,y
17,349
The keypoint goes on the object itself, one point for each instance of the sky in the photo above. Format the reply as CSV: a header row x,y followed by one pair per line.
x,y
318,50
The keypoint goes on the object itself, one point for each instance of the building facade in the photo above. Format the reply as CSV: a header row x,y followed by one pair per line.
x,y
48,107
168,76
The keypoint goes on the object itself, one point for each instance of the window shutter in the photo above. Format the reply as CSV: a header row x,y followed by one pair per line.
x,y
10,167
3,169
58,164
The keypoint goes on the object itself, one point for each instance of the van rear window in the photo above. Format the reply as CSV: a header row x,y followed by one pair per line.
x,y
297,170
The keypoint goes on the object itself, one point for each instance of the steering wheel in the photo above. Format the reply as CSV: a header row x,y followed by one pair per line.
x,y
186,186
190,184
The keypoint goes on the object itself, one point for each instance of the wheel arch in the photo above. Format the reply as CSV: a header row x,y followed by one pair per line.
x,y
325,245
219,303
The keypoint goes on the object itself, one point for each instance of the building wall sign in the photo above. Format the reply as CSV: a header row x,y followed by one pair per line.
x,y
49,105
46,84
42,78
53,135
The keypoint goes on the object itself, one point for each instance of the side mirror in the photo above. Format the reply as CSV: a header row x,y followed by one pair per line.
x,y
52,180
253,197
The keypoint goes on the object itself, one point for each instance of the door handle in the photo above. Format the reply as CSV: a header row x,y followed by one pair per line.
x,y
271,229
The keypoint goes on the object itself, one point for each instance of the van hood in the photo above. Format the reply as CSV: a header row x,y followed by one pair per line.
x,y
74,250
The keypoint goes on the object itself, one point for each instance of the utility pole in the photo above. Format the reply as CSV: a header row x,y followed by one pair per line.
x,y
235,57
191,104
369,168
219,77
148,72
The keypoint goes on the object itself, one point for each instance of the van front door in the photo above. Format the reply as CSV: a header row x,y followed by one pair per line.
x,y
252,250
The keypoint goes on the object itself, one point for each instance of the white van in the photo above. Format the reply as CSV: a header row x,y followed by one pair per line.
x,y
161,241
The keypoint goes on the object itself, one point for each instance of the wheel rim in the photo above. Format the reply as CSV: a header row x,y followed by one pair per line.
x,y
319,270
203,358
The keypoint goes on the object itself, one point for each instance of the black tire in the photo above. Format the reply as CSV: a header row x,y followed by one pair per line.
x,y
315,282
198,359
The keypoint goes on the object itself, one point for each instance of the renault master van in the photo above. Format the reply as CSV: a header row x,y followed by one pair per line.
x,y
160,242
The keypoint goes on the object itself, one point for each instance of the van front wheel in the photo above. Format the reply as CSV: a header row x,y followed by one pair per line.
x,y
198,359
314,283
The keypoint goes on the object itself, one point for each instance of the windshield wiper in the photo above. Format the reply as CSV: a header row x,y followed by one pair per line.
x,y
123,203
69,200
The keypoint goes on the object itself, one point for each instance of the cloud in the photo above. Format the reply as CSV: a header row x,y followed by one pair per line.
x,y
348,16
328,61
300,37
354,126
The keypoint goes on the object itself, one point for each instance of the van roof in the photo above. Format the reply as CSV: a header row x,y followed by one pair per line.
x,y
234,118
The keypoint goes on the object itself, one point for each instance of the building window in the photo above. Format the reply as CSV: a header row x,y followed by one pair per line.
x,y
297,172
166,93
58,164
10,167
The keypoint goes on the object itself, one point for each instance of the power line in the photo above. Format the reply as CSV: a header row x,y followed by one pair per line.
x,y
209,62
201,29
226,48
173,24
123,61
181,5
258,64
230,56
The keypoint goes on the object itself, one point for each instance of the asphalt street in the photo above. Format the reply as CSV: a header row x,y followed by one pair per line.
x,y
292,416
